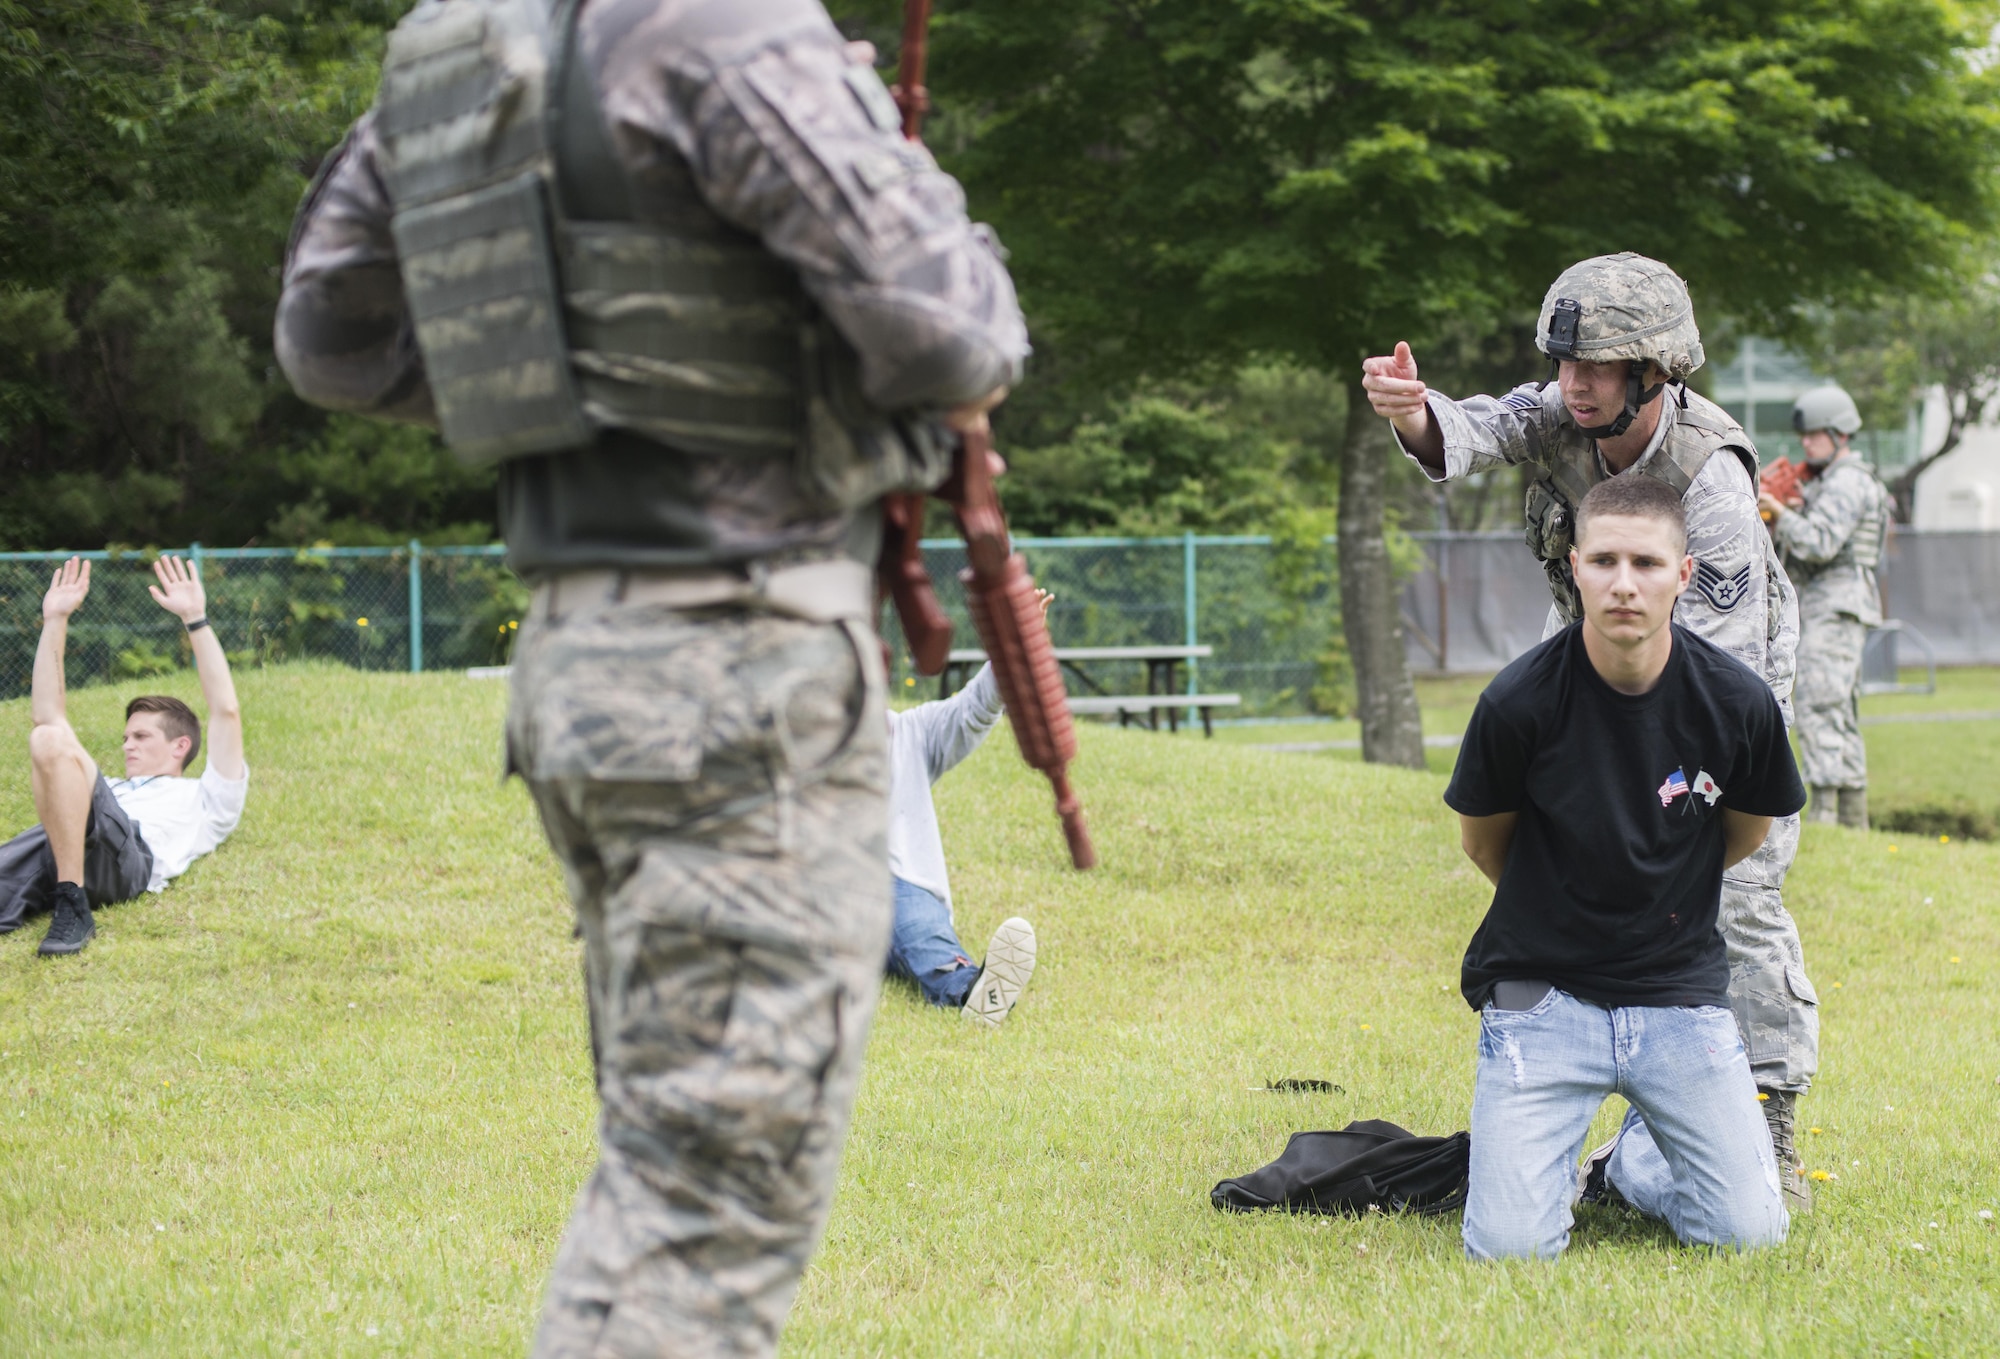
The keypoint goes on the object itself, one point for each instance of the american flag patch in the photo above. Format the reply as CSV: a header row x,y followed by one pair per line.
x,y
1675,786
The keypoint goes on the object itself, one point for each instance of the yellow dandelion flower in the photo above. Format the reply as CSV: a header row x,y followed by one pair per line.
x,y
1762,1097
514,623
360,622
1954,957
909,684
1837,985
1944,839
1821,1176
1366,1027
1892,849
1817,1131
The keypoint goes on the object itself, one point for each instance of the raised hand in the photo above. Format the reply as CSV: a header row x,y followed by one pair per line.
x,y
66,591
1393,387
179,591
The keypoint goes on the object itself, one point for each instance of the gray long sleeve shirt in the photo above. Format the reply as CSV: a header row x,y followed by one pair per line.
x,y
751,111
924,742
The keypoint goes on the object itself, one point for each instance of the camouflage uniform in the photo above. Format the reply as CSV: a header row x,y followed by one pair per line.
x,y
696,707
1831,547
1742,602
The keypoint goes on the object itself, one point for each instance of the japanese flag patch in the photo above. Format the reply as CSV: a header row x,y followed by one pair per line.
x,y
1707,787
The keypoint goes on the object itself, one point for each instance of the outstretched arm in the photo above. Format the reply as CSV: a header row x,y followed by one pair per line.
x,y
180,594
1400,397
47,704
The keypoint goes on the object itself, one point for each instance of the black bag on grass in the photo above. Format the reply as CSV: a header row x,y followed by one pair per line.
x,y
1369,1164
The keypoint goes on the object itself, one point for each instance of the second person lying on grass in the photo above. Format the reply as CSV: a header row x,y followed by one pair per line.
x,y
924,742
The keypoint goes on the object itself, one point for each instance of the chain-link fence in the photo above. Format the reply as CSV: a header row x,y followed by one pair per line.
x,y
350,605
1269,609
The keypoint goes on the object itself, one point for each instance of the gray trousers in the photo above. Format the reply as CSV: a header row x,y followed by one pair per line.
x,y
715,786
1775,1005
1831,752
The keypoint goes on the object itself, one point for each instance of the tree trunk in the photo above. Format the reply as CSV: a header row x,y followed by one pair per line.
x,y
1391,727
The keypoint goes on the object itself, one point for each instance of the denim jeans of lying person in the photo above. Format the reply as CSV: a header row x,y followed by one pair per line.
x,y
1544,1073
924,947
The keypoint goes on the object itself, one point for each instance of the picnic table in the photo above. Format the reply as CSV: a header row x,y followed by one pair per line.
x,y
1161,663
1162,682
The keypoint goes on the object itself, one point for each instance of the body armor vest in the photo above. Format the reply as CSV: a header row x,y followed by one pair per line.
x,y
1700,430
1863,547
539,329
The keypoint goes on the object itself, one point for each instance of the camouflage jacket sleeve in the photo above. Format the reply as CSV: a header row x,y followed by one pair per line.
x,y
343,332
1483,432
1738,599
789,138
1833,510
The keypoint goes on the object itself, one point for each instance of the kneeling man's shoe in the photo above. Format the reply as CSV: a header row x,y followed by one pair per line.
x,y
1593,1185
73,925
1780,1112
1010,961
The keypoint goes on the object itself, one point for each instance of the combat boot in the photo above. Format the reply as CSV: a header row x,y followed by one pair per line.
x,y
1825,808
1854,808
1780,1109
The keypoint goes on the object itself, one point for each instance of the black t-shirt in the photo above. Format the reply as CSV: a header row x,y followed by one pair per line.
x,y
1614,877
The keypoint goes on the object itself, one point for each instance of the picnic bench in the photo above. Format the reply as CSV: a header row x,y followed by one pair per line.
x,y
1162,680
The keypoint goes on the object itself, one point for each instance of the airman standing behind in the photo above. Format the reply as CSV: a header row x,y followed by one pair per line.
x,y
1831,546
1620,330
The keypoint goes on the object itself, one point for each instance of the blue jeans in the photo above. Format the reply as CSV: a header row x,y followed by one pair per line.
x,y
924,947
1544,1072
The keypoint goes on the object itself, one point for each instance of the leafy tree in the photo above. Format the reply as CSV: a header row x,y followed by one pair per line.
x,y
1889,354
1191,183
151,154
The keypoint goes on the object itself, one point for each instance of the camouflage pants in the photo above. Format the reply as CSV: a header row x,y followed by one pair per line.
x,y
1775,1005
1831,753
715,786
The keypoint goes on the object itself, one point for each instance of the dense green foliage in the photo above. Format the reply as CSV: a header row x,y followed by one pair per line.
x,y
1183,180
1192,191
151,153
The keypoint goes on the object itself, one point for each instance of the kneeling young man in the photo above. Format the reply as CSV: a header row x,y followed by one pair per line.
x,y
108,840
1606,780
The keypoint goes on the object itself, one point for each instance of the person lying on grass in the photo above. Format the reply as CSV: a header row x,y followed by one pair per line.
x,y
924,742
1605,781
103,840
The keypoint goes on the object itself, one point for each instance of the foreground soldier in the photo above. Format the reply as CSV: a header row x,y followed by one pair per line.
x,y
1622,331
1606,781
675,314
1831,546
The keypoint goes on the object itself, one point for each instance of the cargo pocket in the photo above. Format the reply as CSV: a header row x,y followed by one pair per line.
x,y
615,734
1795,980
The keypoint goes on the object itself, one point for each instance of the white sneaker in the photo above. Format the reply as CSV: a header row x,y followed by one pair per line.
x,y
1010,961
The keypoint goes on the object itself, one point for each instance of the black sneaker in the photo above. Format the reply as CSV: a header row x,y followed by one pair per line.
x,y
1593,1185
73,925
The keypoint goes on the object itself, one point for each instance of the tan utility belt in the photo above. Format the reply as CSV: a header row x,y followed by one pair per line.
x,y
820,592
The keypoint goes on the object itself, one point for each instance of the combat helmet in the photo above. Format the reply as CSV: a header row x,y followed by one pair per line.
x,y
1622,306
1828,408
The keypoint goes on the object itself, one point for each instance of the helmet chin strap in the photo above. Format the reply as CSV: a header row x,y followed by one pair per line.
x,y
1636,397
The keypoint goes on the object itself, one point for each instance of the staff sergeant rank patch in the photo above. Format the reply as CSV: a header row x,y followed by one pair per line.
x,y
1724,592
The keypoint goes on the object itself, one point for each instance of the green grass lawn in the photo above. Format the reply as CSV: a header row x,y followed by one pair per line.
x,y
330,1094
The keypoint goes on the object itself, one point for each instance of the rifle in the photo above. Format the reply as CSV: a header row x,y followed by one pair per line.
x,y
1784,481
998,589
